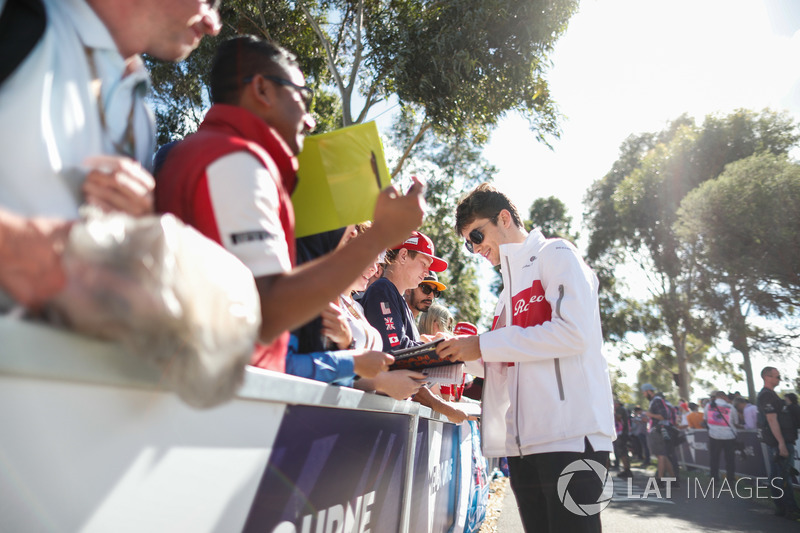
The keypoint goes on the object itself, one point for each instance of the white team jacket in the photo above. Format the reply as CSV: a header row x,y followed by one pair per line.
x,y
546,379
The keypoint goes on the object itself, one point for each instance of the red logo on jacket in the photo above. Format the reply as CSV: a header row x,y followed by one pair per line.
x,y
530,306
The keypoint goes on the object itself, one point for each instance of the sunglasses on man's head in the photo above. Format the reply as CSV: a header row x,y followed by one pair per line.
x,y
427,288
476,236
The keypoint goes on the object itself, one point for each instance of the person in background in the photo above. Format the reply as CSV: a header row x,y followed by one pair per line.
x,y
421,297
437,319
398,384
325,348
721,418
232,180
777,431
407,265
748,414
547,398
76,127
791,400
694,420
661,447
622,426
639,434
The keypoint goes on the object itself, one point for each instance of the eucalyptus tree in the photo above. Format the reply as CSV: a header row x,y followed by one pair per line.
x,y
632,211
743,230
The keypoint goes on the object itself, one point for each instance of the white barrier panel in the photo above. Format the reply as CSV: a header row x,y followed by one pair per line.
x,y
90,442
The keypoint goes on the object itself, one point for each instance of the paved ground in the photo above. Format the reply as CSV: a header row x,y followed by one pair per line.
x,y
686,510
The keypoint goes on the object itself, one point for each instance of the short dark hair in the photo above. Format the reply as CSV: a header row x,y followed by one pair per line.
x,y
766,370
242,57
792,397
484,202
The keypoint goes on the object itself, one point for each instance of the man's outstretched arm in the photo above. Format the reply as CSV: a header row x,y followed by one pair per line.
x,y
291,299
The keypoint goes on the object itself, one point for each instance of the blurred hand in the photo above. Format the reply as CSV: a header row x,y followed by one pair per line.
x,y
368,363
439,335
461,348
117,183
396,215
399,384
336,327
457,416
30,258
783,451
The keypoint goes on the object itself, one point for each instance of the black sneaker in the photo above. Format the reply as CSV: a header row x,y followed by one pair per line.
x,y
625,473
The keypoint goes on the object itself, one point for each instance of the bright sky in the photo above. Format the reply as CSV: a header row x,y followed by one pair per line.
x,y
630,66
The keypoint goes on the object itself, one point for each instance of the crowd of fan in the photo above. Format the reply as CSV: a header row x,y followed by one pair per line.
x,y
661,427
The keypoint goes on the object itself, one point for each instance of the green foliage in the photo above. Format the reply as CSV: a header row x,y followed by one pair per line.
x,y
180,91
463,63
621,390
467,62
746,224
550,216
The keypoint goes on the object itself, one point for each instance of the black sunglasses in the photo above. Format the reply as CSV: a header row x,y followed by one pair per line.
x,y
426,289
476,236
306,93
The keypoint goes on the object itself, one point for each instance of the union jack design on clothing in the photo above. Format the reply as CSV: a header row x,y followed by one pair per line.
x,y
389,322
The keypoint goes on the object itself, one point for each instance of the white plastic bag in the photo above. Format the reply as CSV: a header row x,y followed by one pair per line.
x,y
169,295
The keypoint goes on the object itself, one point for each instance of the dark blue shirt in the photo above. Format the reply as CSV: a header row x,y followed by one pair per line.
x,y
387,311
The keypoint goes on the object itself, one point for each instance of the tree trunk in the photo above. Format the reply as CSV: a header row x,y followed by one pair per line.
x,y
683,373
740,339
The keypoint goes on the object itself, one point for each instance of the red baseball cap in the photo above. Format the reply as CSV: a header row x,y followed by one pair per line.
x,y
422,244
465,328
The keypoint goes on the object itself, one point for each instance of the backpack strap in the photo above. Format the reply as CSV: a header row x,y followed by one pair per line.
x,y
22,24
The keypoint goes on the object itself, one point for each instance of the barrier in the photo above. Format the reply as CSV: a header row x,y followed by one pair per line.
x,y
92,443
752,461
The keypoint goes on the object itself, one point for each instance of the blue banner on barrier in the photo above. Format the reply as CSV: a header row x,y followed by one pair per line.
x,y
433,496
479,484
332,470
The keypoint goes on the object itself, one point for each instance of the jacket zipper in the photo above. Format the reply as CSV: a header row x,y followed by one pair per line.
x,y
557,361
510,309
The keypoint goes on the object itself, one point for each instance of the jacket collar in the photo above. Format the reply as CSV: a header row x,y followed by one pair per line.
x,y
534,238
240,122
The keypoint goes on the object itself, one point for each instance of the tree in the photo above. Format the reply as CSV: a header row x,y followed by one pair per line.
x,y
550,216
744,232
634,208
459,64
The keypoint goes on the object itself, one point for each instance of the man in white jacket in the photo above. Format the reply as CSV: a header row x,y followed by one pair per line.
x,y
547,402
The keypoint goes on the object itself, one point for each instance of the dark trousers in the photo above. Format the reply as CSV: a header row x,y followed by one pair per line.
x,y
534,480
780,476
645,455
715,448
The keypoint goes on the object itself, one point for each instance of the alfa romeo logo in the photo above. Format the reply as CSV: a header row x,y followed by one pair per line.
x,y
585,509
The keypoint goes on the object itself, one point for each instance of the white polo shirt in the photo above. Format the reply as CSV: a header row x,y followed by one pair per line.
x,y
50,114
